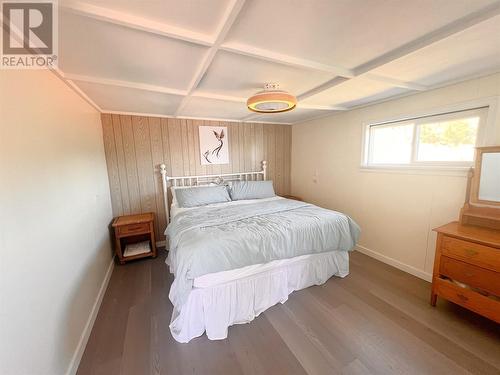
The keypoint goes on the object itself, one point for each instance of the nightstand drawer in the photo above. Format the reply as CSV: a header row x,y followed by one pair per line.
x,y
471,275
470,252
133,229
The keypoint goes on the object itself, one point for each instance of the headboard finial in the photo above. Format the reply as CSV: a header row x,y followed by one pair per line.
x,y
264,168
163,172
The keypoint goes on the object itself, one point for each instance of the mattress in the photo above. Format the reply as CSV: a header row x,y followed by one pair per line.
x,y
219,278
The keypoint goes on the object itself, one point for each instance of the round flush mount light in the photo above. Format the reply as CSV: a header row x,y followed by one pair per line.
x,y
271,100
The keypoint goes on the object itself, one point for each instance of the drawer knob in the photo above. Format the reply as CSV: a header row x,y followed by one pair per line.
x,y
470,252
462,297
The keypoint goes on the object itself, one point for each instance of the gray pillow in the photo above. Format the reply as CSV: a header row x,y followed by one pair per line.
x,y
200,196
252,190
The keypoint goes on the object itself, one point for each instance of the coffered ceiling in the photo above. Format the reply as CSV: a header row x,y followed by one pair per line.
x,y
203,58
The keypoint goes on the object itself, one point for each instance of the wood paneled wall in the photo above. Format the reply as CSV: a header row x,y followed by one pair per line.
x,y
135,146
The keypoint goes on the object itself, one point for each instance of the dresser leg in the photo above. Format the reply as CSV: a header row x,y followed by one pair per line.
x,y
434,297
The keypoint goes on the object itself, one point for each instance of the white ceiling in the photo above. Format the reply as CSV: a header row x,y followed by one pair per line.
x,y
203,58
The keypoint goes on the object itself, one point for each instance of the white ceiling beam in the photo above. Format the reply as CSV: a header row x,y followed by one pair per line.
x,y
322,115
435,36
167,90
229,120
262,54
142,114
59,74
211,95
154,27
126,84
321,107
395,82
325,86
230,16
271,56
236,99
216,43
450,29
84,96
135,22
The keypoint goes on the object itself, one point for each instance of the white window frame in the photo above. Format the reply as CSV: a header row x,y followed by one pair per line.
x,y
486,128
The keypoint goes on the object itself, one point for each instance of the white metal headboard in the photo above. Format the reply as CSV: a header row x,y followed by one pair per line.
x,y
168,181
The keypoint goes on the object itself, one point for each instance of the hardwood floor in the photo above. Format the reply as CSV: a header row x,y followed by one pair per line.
x,y
375,321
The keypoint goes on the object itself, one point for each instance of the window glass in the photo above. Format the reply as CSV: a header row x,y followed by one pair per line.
x,y
452,140
391,144
439,140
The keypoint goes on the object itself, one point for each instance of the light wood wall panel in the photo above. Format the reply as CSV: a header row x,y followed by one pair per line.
x,y
135,146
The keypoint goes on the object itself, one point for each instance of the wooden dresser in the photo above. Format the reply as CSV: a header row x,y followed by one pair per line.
x,y
467,268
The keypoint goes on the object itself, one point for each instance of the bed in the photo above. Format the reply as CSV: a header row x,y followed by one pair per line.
x,y
233,260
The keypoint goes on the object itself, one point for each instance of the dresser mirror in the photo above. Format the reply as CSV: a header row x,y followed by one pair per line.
x,y
485,182
482,203
489,179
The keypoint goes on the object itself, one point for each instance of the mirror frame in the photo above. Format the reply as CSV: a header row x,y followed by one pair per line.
x,y
476,178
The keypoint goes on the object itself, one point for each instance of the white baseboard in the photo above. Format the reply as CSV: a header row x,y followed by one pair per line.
x,y
395,263
82,343
161,243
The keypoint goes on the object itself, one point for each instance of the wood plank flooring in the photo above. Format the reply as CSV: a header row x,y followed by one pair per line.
x,y
375,321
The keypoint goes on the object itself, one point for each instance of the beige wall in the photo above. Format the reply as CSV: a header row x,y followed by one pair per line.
x,y
396,211
136,146
55,209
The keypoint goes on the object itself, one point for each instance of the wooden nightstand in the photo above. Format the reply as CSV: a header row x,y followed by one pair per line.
x,y
292,197
132,229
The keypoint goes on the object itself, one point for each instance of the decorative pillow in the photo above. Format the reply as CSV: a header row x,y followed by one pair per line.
x,y
173,189
252,190
201,196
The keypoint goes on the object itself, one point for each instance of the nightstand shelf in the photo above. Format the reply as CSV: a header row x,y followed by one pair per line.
x,y
133,229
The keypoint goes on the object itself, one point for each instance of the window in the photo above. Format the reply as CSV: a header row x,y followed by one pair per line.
x,y
439,140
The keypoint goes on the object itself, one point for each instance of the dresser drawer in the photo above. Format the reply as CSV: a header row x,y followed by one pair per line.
x,y
133,229
469,299
471,275
470,252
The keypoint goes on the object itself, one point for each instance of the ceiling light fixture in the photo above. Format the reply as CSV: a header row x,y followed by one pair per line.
x,y
272,100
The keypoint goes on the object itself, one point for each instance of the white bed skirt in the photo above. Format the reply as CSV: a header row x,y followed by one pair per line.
x,y
223,300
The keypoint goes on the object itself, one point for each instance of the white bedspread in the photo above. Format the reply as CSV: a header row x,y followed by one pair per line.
x,y
215,239
223,295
